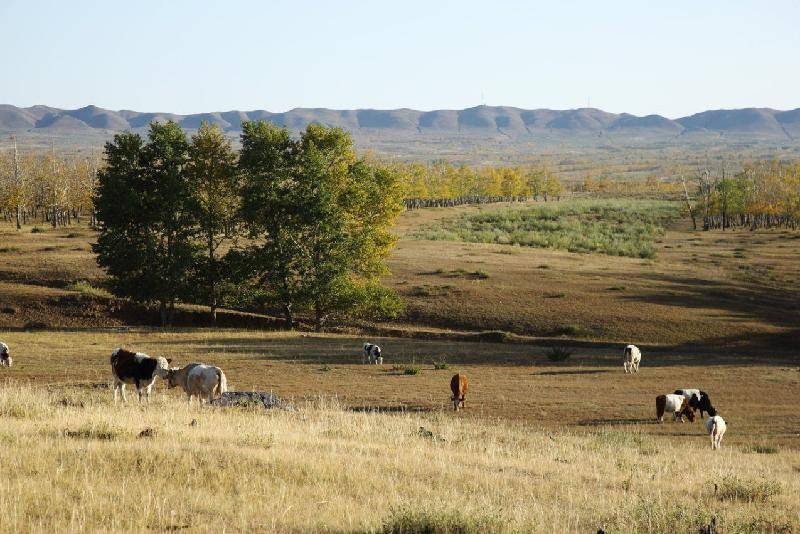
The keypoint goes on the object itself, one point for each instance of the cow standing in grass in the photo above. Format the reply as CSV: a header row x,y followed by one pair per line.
x,y
716,429
199,380
698,400
677,404
137,369
372,354
633,356
5,356
458,385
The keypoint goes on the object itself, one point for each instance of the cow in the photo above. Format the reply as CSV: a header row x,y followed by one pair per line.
x,y
698,400
632,357
716,429
138,369
458,385
677,404
5,356
198,380
372,354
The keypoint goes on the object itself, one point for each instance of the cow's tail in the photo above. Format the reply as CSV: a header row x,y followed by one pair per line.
x,y
222,382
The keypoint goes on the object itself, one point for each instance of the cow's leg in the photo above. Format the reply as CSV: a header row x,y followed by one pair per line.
x,y
122,391
114,388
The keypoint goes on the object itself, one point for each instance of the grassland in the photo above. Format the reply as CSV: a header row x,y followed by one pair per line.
x,y
82,464
545,444
614,227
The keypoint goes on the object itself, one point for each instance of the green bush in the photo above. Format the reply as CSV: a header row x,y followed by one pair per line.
x,y
411,370
85,288
440,366
558,354
408,521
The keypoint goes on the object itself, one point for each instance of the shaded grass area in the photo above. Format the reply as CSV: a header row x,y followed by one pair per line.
x,y
614,227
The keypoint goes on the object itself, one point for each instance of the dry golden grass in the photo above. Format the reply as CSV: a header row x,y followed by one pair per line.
x,y
75,462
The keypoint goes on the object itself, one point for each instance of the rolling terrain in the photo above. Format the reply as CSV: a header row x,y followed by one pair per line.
x,y
542,444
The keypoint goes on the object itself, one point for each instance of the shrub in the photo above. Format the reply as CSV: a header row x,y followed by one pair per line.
x,y
85,288
760,449
100,431
411,370
37,230
558,354
480,274
733,488
4,250
493,336
72,235
440,366
408,521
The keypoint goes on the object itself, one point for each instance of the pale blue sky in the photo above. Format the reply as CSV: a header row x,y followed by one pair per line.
x,y
671,57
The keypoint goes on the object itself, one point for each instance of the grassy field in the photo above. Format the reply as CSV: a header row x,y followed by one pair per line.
x,y
82,464
614,227
550,446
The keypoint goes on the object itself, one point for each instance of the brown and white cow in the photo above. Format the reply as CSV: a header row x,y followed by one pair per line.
x,y
677,404
199,380
5,355
137,369
458,385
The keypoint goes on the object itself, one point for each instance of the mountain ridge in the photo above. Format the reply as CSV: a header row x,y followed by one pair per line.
x,y
479,120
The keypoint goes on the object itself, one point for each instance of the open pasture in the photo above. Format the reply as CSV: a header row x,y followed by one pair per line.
x,y
540,446
508,381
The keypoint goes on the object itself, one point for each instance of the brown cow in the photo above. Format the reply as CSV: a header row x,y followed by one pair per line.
x,y
678,405
458,385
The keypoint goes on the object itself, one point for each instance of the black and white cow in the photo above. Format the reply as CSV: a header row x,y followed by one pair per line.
x,y
372,354
5,355
698,400
138,369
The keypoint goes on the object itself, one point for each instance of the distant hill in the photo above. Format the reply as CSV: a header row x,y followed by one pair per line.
x,y
444,125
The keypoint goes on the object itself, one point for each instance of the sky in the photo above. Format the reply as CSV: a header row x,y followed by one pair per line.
x,y
672,57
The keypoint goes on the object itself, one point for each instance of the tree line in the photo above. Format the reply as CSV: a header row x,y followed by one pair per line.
x,y
290,225
46,187
763,194
443,184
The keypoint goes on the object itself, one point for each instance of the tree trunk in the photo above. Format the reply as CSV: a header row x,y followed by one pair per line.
x,y
162,308
288,316
212,279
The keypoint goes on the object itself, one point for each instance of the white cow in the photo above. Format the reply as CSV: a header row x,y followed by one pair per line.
x,y
716,429
5,356
632,358
372,354
199,380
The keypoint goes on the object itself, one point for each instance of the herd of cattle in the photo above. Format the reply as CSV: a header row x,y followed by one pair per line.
x,y
207,382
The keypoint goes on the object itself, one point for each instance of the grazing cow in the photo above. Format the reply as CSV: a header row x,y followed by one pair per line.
x,y
632,358
677,404
372,354
199,380
458,385
698,400
5,356
716,429
138,369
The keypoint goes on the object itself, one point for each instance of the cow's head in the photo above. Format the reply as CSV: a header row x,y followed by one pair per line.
x,y
172,377
687,410
5,355
162,367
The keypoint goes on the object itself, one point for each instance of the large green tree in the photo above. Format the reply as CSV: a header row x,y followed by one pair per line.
x,y
143,204
319,219
213,182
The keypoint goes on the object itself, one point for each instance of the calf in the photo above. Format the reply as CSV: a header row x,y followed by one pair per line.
x,y
677,404
458,385
632,358
138,369
199,380
698,400
5,355
716,429
372,354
